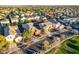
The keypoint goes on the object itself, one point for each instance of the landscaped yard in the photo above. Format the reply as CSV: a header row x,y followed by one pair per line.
x,y
70,46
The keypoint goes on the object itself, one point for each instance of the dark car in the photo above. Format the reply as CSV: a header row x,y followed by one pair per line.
x,y
38,25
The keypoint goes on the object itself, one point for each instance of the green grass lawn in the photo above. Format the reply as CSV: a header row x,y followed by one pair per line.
x,y
70,46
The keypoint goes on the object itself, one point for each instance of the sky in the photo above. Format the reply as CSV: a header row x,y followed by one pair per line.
x,y
39,2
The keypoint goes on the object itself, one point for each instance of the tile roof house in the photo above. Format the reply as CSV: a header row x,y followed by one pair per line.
x,y
10,37
5,21
18,39
12,30
15,18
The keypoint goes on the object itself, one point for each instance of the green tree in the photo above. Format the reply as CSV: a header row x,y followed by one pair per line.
x,y
20,25
26,21
46,44
27,35
3,42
